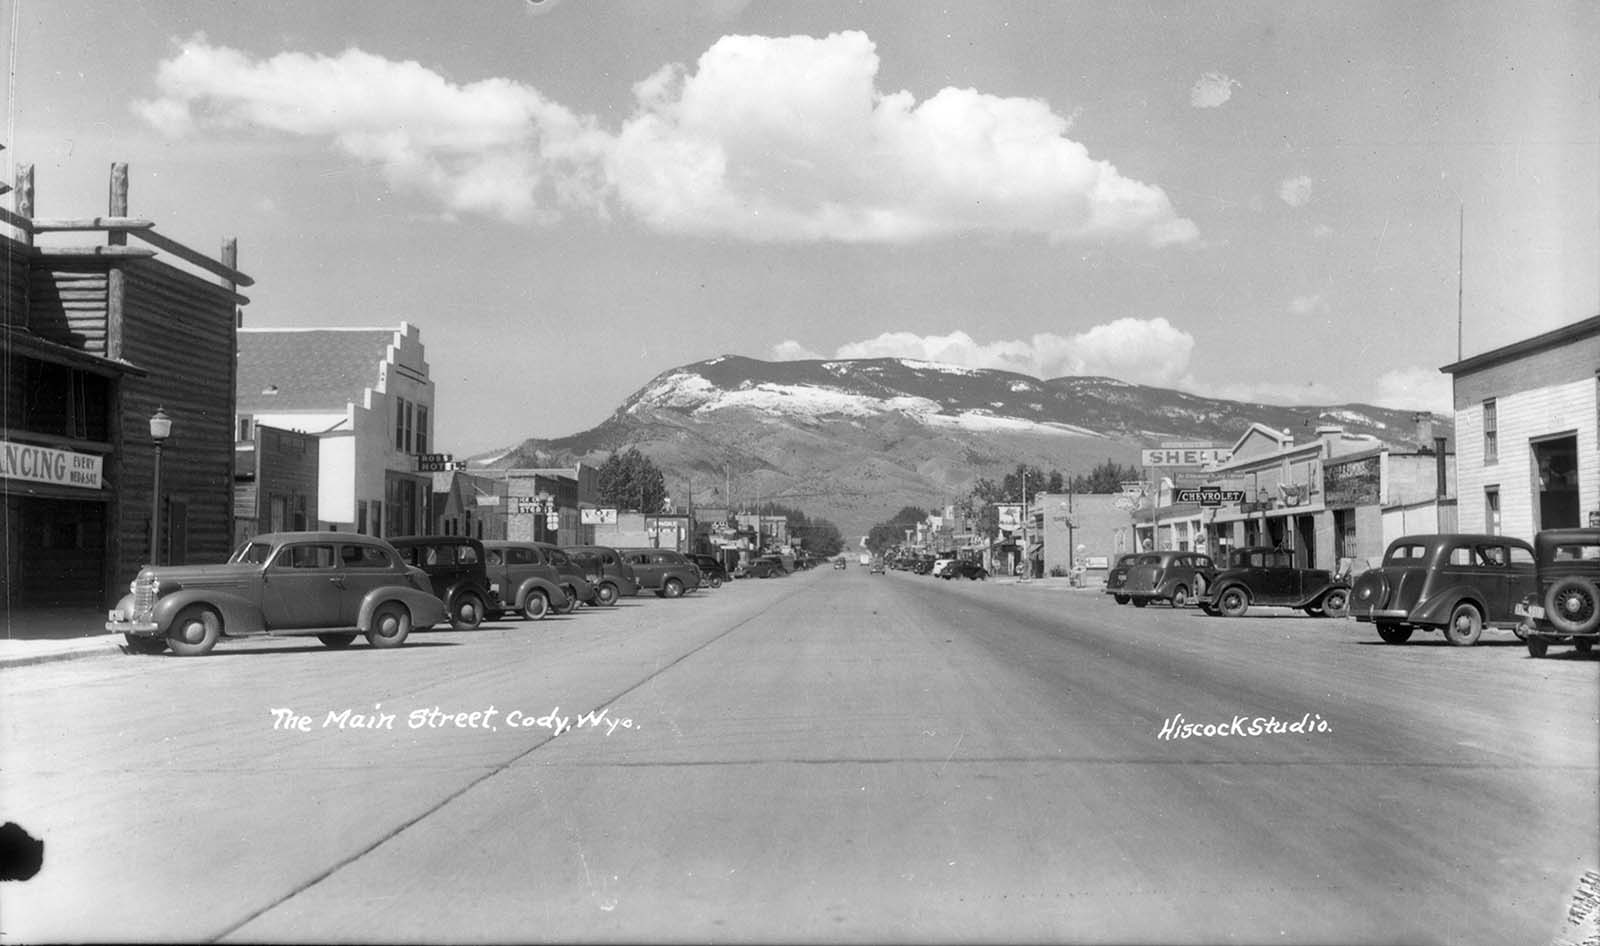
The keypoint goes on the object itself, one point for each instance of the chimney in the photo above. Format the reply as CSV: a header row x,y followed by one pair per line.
x,y
1424,430
1440,471
1330,435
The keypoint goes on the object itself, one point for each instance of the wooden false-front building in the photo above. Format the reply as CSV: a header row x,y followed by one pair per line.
x,y
100,332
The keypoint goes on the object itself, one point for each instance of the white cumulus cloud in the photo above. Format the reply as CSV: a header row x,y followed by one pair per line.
x,y
1143,351
1211,90
764,139
1296,191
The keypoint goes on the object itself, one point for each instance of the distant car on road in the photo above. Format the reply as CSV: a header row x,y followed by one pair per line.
x,y
460,578
1564,606
876,568
334,585
840,564
964,568
712,571
1269,577
1452,582
765,566
1173,577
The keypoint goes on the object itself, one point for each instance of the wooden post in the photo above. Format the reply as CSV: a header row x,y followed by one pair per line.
x,y
115,277
25,200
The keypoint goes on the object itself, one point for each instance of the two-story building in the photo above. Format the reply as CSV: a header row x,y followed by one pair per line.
x,y
117,443
366,395
1528,429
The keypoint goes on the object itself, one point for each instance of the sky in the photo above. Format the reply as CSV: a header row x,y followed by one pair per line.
x,y
1275,201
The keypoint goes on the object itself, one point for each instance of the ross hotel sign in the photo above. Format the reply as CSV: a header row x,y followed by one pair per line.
x,y
26,461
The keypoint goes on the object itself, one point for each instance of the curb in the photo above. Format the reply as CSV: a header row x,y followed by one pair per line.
x,y
41,652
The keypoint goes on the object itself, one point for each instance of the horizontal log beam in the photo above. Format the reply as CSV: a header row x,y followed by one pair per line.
x,y
191,256
82,224
123,252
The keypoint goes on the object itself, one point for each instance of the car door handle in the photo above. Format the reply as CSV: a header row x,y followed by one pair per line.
x,y
337,581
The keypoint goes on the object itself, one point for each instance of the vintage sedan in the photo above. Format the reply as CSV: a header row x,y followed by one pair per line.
x,y
604,569
455,565
1269,577
522,578
1118,575
965,568
711,569
1564,607
664,571
333,585
1173,577
1451,582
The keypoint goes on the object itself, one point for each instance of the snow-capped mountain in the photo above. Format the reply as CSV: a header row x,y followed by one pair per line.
x,y
855,440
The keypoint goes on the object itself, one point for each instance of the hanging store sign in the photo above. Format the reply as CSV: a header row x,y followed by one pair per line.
x,y
27,461
1209,497
598,517
438,463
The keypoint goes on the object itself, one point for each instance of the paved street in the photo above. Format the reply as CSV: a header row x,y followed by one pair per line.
x,y
830,756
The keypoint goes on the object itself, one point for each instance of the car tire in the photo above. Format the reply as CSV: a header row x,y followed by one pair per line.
x,y
1140,602
195,631
145,645
1233,602
466,611
1465,627
336,641
572,600
535,606
606,594
1394,633
1336,603
672,588
1571,605
391,624
1180,597
1537,647
1120,599
715,582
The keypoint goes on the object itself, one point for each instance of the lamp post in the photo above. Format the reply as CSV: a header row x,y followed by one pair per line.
x,y
160,430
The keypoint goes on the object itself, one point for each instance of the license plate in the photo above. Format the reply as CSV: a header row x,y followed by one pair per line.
x,y
1530,610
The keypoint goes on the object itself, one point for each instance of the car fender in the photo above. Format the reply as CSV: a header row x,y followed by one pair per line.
x,y
1437,608
239,615
558,598
426,610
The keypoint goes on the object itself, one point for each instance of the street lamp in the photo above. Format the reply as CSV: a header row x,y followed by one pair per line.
x,y
160,430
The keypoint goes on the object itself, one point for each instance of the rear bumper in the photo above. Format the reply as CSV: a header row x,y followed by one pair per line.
x,y
1379,614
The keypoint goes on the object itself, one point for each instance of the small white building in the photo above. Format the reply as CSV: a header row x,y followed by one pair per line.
x,y
365,393
1528,433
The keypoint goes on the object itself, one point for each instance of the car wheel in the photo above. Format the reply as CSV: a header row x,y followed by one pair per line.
x,y
1465,627
572,600
536,606
467,612
195,631
1233,602
1570,605
336,641
391,623
672,588
606,594
715,582
1180,597
1537,647
1140,602
1120,599
145,645
1336,603
1394,633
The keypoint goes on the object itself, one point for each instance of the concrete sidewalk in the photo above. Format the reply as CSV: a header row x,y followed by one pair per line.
x,y
43,635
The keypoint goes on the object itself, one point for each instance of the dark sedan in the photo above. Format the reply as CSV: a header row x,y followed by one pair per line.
x,y
1455,583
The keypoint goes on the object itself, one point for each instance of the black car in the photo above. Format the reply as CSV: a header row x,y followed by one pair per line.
x,y
456,566
1452,582
711,569
1269,577
964,568
1564,606
767,566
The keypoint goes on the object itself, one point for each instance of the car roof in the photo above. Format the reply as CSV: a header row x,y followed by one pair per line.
x,y
434,540
321,536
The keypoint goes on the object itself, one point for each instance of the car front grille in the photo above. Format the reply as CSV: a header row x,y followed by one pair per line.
x,y
144,595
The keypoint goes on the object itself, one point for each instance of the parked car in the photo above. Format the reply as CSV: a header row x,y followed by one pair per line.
x,y
1173,577
1118,575
939,564
523,578
333,585
455,565
712,571
664,571
840,563
1269,577
764,566
1563,606
876,568
604,569
963,568
1451,582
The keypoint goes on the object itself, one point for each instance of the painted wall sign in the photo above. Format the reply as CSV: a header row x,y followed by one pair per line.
x,y
1351,484
27,461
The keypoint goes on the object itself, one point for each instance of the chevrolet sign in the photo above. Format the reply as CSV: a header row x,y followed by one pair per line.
x,y
1209,497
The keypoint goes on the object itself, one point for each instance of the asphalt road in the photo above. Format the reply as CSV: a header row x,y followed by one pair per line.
x,y
831,756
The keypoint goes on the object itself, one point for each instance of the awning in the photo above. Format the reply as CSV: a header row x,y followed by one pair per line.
x,y
1035,550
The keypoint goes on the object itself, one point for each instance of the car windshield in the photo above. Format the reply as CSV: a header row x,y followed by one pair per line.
x,y
559,558
252,553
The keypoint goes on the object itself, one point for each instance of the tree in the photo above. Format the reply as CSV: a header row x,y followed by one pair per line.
x,y
628,480
886,535
1108,477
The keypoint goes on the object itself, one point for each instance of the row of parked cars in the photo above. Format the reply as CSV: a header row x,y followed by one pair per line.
x,y
340,585
1458,584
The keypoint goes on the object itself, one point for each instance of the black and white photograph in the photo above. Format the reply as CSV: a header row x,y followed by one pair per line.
x,y
817,471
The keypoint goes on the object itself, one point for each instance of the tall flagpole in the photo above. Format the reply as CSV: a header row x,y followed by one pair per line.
x,y
1461,240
